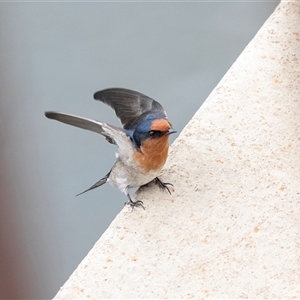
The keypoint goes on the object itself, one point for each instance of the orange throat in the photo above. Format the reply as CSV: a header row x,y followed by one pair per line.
x,y
154,153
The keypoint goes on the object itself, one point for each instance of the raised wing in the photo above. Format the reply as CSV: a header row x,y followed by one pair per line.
x,y
106,130
128,104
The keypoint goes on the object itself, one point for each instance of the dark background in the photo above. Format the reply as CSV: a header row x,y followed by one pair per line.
x,y
54,56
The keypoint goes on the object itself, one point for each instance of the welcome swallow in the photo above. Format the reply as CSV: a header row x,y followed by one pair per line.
x,y
143,142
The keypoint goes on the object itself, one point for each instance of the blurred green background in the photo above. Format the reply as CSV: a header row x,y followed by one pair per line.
x,y
54,56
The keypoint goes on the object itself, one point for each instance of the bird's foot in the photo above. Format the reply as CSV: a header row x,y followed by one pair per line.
x,y
163,185
134,204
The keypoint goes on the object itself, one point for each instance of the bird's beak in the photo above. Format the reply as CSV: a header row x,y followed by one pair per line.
x,y
170,131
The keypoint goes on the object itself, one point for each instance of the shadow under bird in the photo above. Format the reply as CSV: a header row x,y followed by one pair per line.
x,y
143,142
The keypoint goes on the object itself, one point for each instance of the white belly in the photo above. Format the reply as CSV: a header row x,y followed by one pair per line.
x,y
123,177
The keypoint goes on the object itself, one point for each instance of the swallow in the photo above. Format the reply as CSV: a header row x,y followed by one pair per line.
x,y
142,143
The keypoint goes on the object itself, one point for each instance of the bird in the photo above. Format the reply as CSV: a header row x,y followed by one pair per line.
x,y
142,142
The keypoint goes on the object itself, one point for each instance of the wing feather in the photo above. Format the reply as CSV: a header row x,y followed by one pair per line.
x,y
113,134
128,104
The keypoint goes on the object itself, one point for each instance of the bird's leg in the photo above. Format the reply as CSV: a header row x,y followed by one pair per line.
x,y
134,204
162,185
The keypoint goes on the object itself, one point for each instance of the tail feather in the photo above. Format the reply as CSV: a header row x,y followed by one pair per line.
x,y
97,184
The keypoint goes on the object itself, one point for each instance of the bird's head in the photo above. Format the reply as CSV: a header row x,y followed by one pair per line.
x,y
151,126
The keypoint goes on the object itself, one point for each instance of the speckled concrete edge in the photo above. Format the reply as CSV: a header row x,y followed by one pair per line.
x,y
231,226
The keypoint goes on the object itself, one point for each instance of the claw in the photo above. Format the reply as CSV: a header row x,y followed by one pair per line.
x,y
163,185
134,204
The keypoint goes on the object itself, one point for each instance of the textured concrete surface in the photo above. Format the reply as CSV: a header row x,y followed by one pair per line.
x,y
231,226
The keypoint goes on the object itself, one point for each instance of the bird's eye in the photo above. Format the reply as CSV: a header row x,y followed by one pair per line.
x,y
154,133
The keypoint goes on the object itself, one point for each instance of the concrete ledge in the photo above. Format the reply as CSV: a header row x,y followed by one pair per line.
x,y
231,228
